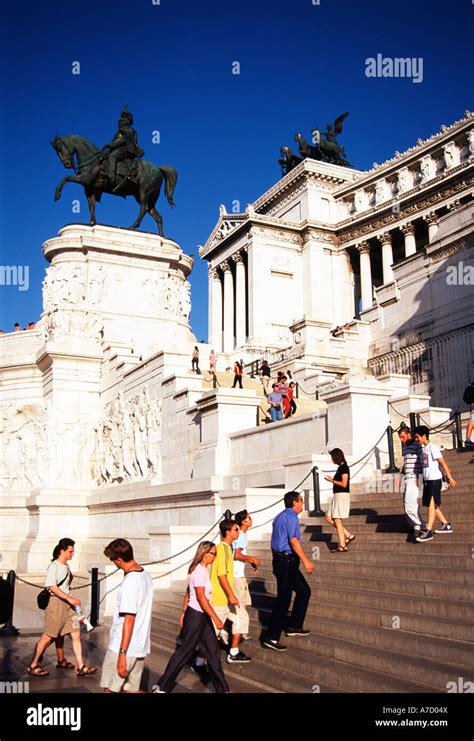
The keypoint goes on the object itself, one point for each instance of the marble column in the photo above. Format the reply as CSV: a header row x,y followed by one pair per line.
x,y
228,307
215,303
240,302
387,257
432,221
365,275
410,243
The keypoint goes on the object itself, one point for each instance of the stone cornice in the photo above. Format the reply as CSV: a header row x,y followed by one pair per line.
x,y
408,195
244,225
391,219
332,175
423,147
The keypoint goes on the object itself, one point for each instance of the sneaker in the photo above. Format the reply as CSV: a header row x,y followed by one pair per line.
x,y
276,645
297,632
447,528
156,690
418,530
427,535
246,637
468,444
239,658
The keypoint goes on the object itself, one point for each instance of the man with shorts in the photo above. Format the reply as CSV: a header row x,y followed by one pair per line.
x,y
224,600
432,462
129,639
239,549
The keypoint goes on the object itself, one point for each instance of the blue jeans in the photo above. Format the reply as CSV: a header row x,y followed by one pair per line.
x,y
276,414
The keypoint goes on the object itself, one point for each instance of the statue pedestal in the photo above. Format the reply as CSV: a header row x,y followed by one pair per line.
x,y
117,285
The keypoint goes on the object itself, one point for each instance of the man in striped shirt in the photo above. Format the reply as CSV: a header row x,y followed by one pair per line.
x,y
412,469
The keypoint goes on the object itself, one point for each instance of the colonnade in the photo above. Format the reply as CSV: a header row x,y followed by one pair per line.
x,y
385,240
228,305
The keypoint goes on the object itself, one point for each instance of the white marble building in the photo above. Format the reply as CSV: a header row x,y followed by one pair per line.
x,y
328,245
104,430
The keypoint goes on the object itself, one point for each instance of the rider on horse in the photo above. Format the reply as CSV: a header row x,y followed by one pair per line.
x,y
123,146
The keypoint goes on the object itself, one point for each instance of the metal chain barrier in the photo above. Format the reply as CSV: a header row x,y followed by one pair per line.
x,y
364,456
300,387
195,543
213,378
442,425
405,416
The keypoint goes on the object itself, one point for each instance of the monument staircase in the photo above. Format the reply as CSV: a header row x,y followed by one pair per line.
x,y
390,615
304,405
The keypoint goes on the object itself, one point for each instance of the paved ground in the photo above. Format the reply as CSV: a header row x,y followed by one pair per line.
x,y
16,653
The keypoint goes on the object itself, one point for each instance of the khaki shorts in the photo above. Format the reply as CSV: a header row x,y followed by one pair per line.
x,y
241,589
59,618
111,679
238,616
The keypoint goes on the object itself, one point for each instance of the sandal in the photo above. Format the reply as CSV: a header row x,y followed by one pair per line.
x,y
339,549
37,671
84,671
350,538
64,664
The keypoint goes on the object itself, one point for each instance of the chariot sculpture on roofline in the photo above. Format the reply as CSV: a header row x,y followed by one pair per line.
x,y
324,147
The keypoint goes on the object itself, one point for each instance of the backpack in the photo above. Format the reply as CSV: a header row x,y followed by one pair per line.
x,y
468,396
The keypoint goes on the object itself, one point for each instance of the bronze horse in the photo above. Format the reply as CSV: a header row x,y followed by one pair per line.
x,y
141,179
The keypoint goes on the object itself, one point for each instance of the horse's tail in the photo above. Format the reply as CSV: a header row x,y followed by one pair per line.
x,y
171,177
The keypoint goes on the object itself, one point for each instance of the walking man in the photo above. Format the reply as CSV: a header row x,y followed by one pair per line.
x,y
224,599
129,640
239,549
275,400
287,553
433,462
412,471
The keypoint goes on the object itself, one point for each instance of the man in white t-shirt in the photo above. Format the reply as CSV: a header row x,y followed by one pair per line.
x,y
432,462
129,639
239,549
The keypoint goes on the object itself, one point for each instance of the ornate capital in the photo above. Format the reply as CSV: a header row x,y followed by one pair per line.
x,y
454,205
225,267
363,248
237,258
215,274
408,229
385,238
431,218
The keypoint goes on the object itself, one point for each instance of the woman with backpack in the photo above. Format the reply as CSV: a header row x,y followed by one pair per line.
x,y
60,617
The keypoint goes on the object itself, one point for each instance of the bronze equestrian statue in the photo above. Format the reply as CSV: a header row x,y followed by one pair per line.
x,y
116,169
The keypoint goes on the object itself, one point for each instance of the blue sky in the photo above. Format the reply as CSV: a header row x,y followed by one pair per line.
x,y
301,65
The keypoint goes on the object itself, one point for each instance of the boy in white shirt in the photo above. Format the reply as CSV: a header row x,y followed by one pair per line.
x,y
129,640
239,549
432,462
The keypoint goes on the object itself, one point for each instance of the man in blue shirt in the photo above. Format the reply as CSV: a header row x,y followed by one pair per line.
x,y
275,400
287,553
